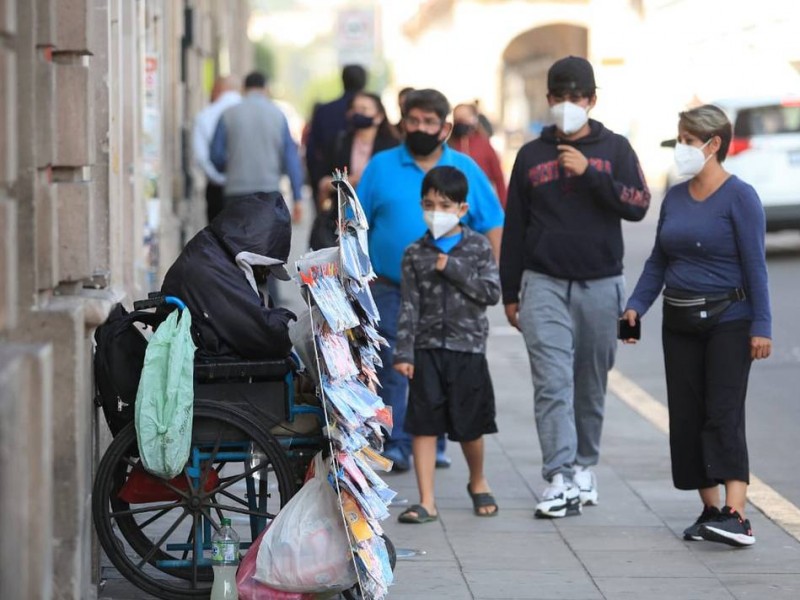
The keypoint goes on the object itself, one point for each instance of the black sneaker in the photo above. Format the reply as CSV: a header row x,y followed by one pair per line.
x,y
692,532
728,528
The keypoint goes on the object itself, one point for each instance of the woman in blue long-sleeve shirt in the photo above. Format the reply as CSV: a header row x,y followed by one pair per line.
x,y
709,256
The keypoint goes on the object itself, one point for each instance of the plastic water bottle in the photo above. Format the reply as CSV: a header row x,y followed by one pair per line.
x,y
225,561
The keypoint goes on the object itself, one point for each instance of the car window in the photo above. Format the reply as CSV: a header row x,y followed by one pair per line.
x,y
767,120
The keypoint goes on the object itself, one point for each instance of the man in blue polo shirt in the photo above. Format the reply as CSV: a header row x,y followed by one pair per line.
x,y
390,191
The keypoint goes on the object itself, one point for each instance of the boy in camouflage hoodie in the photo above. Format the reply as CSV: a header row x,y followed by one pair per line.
x,y
449,278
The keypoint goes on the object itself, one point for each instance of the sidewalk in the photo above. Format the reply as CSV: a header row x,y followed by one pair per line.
x,y
629,546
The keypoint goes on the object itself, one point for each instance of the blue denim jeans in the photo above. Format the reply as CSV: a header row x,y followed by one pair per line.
x,y
394,387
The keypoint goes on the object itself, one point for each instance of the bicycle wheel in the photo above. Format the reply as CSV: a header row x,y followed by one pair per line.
x,y
236,469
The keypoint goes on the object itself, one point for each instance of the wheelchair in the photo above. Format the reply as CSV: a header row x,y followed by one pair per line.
x,y
255,430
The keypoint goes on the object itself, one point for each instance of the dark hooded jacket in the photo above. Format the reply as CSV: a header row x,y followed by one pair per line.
x,y
229,318
566,226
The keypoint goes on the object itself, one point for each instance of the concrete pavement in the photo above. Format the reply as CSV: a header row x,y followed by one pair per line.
x,y
629,546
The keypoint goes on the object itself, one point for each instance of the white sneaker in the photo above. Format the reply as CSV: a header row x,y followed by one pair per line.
x,y
586,481
560,498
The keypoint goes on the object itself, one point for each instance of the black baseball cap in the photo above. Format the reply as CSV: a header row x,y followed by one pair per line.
x,y
571,73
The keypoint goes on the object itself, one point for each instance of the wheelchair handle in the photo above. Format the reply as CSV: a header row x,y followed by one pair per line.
x,y
155,300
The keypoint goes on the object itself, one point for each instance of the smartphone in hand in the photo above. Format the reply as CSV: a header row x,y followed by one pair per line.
x,y
627,332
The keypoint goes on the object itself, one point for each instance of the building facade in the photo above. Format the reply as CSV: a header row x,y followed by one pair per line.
x,y
96,190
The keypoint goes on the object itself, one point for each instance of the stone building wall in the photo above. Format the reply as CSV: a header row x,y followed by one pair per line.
x,y
72,214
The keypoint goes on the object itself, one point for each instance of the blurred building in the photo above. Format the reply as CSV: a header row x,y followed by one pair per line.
x,y
651,57
96,102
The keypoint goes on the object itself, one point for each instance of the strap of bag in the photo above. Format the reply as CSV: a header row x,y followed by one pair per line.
x,y
685,300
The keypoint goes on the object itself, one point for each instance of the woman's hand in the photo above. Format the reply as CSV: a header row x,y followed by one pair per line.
x,y
405,369
760,347
630,316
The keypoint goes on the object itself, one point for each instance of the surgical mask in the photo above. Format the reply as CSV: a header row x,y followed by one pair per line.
x,y
421,143
690,160
569,117
359,121
439,223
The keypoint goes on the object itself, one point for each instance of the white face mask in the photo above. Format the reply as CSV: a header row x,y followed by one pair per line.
x,y
690,160
569,117
439,223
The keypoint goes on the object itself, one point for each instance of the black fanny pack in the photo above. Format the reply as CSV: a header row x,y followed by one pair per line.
x,y
690,312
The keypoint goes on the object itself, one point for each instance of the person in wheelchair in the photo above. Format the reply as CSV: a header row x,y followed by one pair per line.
x,y
221,275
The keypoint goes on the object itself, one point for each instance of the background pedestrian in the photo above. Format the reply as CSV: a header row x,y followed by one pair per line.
x,y
224,95
388,191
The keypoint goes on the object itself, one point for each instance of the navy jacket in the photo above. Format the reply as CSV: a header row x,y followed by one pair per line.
x,y
229,318
327,121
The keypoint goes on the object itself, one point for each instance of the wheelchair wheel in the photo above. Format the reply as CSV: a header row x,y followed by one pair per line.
x,y
236,469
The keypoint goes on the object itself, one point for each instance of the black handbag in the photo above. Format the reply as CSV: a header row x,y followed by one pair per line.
x,y
690,312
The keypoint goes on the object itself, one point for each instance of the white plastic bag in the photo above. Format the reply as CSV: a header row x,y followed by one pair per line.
x,y
306,548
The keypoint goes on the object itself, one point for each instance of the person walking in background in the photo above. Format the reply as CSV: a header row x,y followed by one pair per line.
x,y
327,121
223,95
402,95
709,253
468,137
252,145
387,190
561,272
367,133
449,278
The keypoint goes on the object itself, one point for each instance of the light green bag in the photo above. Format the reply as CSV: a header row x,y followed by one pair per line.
x,y
165,398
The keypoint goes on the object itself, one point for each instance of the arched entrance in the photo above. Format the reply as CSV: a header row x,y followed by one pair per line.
x,y
524,83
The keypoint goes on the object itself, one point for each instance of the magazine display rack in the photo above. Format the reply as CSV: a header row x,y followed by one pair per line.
x,y
342,354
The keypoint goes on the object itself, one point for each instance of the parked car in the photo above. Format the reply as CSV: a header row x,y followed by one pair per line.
x,y
765,152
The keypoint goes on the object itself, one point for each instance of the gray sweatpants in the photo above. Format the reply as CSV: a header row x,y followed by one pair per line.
x,y
570,329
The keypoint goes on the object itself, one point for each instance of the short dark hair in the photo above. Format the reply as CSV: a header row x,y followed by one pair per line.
x,y
706,122
428,100
255,79
354,78
448,182
402,98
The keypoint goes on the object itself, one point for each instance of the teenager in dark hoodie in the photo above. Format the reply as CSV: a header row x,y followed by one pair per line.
x,y
561,274
221,275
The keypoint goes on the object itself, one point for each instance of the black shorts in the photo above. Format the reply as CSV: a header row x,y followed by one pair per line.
x,y
452,393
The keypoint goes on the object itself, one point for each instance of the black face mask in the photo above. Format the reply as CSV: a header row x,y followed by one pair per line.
x,y
422,144
461,129
359,121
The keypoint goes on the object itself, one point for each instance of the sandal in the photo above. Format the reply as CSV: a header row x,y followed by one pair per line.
x,y
483,500
416,514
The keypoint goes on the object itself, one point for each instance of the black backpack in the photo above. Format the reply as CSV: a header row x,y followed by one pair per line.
x,y
118,361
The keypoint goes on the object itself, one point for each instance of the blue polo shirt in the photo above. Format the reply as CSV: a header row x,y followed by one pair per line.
x,y
390,192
